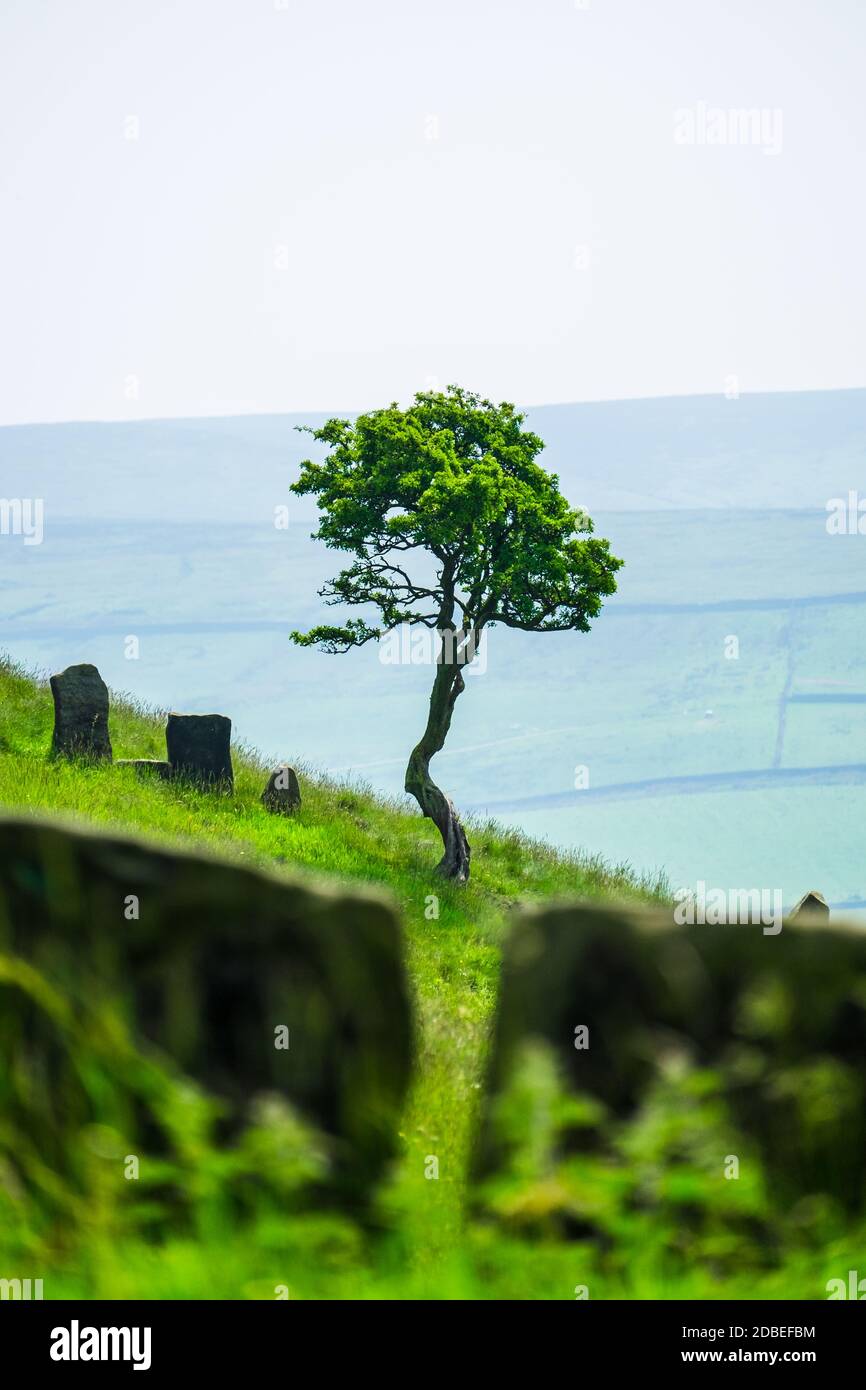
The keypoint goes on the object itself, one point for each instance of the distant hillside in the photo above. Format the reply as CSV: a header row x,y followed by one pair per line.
x,y
165,530
784,450
780,450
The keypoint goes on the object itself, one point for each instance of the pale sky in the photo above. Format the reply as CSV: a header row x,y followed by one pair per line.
x,y
231,206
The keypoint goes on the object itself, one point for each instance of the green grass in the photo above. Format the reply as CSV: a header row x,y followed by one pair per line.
x,y
347,833
422,1244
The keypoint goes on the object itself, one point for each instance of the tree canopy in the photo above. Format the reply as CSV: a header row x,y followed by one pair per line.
x,y
455,476
454,525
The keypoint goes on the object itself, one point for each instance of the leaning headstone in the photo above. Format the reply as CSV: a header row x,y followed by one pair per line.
x,y
149,767
198,747
282,795
80,713
252,984
813,904
625,1024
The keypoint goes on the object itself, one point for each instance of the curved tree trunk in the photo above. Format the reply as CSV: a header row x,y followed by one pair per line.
x,y
433,802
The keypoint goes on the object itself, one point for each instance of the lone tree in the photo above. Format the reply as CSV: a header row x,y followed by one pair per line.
x,y
453,525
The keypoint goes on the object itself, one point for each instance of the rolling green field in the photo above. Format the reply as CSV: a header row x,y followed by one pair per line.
x,y
422,1242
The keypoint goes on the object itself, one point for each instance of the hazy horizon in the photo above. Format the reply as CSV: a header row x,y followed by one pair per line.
x,y
339,411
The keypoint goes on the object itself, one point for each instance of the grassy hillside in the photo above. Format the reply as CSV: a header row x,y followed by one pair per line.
x,y
348,833
658,1222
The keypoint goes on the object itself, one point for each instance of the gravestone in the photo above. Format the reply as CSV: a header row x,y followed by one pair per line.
x,y
80,714
250,983
198,747
612,1005
813,904
282,795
